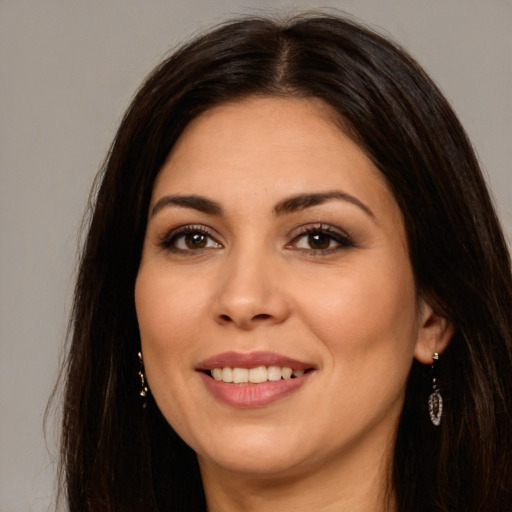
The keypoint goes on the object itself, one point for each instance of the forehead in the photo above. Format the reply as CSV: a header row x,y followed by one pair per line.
x,y
269,145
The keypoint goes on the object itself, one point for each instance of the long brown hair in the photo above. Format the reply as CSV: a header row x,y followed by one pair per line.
x,y
119,456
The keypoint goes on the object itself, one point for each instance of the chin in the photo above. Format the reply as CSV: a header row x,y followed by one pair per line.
x,y
258,453
255,465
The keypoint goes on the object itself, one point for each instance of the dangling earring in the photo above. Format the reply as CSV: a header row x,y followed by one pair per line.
x,y
143,387
435,400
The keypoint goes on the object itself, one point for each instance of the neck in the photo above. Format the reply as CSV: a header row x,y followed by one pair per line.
x,y
356,482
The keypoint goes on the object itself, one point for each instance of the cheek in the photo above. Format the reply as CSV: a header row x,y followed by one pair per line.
x,y
367,327
168,321
363,315
167,309
168,324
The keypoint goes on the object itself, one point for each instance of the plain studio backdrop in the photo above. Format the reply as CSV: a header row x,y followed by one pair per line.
x,y
68,71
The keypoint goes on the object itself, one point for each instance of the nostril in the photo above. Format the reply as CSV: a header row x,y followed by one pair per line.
x,y
262,316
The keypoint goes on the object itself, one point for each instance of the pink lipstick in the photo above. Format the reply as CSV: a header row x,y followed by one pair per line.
x,y
253,379
251,360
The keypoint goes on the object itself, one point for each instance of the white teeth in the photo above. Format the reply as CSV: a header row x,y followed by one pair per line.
x,y
258,374
240,375
227,374
254,375
286,372
217,373
274,373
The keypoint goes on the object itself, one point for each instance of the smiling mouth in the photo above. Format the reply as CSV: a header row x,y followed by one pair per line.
x,y
254,379
256,375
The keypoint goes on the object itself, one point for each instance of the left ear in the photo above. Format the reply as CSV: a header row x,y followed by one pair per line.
x,y
434,333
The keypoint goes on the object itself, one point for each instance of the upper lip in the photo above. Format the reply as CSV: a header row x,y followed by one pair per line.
x,y
251,360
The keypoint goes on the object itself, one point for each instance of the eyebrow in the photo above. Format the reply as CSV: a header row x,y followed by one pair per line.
x,y
302,201
193,201
288,205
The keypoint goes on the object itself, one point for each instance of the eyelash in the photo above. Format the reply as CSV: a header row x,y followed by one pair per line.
x,y
168,242
342,239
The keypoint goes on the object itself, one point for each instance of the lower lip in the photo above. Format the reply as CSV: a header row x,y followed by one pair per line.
x,y
252,395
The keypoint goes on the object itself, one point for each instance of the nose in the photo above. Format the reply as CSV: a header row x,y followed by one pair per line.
x,y
250,293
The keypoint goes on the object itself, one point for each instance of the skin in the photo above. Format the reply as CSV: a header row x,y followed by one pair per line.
x,y
259,283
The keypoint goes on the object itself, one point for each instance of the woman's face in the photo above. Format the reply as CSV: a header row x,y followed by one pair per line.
x,y
274,247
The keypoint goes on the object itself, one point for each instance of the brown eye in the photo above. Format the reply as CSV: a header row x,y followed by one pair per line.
x,y
196,240
189,239
319,241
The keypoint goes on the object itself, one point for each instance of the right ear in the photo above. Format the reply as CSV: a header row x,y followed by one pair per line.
x,y
434,334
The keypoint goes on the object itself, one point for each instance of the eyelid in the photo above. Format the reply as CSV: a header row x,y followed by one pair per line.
x,y
340,236
167,239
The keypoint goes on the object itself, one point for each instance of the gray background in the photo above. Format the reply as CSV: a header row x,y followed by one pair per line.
x,y
68,70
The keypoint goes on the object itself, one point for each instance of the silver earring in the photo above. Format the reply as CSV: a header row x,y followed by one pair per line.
x,y
143,386
435,400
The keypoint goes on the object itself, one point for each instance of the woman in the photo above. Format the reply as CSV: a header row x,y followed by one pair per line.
x,y
294,292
